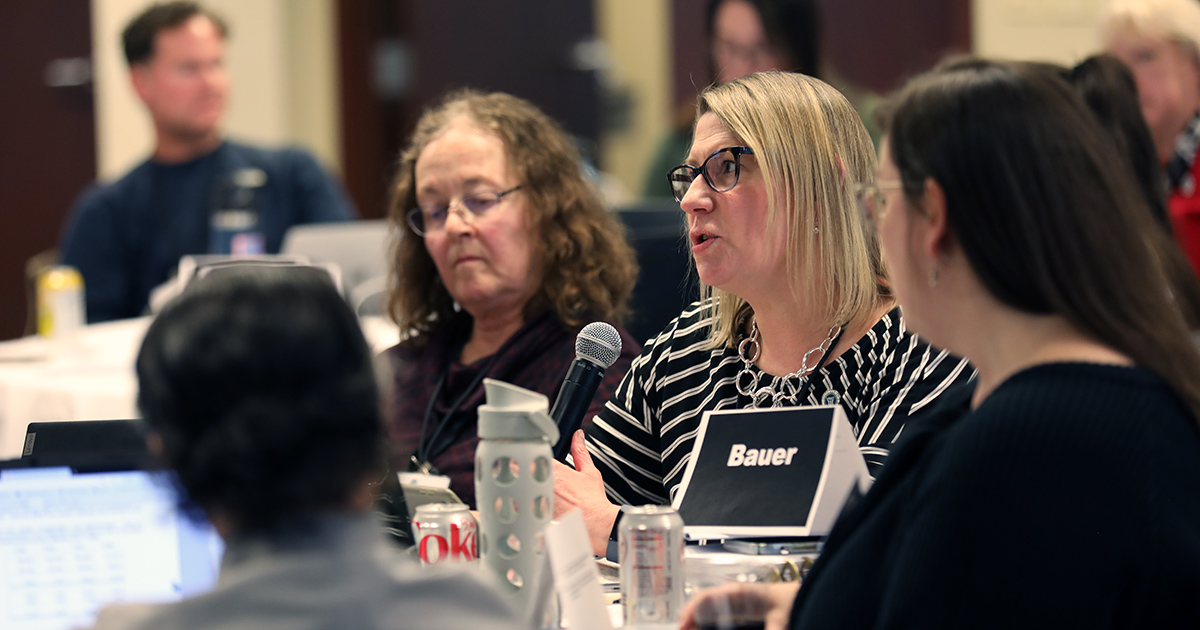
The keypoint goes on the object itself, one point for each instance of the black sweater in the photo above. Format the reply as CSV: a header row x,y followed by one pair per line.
x,y
1069,498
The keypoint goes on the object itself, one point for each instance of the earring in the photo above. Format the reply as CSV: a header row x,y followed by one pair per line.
x,y
933,277
816,230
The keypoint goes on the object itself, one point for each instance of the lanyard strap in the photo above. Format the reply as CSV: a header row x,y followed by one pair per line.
x,y
429,448
820,364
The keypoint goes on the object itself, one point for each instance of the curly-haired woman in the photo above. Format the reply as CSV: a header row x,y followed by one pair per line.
x,y
504,251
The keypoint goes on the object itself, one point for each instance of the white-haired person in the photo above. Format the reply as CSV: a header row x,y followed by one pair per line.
x,y
795,306
1160,42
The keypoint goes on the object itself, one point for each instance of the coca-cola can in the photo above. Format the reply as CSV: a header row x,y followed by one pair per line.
x,y
445,534
650,544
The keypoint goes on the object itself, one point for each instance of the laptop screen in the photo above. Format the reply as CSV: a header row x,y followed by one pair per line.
x,y
71,543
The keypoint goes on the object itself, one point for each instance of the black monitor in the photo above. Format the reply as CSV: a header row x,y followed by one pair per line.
x,y
87,445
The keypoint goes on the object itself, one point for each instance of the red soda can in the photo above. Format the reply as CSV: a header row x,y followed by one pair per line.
x,y
445,534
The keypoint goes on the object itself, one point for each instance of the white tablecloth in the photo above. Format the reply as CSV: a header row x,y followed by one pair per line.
x,y
90,379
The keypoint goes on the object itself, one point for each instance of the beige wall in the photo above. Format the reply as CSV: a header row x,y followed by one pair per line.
x,y
282,58
281,64
313,112
638,36
1062,31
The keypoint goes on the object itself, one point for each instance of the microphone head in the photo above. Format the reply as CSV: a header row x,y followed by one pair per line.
x,y
599,343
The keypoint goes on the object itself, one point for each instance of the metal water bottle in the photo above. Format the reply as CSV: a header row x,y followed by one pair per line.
x,y
514,488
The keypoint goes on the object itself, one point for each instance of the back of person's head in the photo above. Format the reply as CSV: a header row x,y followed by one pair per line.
x,y
813,150
1176,20
260,386
588,269
139,35
792,27
1045,211
1108,88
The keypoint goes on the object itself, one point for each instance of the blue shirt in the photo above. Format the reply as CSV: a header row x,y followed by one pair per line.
x,y
126,237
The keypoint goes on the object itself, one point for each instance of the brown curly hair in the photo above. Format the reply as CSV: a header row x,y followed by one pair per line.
x,y
588,269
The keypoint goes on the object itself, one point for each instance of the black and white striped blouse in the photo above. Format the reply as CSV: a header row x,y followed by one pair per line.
x,y
643,439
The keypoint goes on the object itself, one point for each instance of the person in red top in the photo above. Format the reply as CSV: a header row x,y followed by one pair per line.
x,y
1160,42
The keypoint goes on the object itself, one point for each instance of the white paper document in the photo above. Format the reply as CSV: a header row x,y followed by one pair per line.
x,y
575,576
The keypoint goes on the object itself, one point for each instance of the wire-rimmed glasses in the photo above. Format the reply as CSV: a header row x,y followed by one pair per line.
x,y
720,171
872,199
430,218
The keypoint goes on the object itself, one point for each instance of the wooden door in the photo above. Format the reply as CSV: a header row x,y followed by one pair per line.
x,y
47,135
398,56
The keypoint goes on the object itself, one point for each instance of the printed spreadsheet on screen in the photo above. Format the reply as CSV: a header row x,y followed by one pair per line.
x,y
72,543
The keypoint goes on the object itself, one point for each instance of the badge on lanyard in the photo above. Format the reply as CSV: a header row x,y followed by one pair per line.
x,y
424,480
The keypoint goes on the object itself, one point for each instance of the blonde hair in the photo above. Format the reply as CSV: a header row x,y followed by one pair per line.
x,y
813,149
1177,20
587,268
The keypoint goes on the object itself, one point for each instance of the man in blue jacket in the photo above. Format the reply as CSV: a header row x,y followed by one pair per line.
x,y
198,193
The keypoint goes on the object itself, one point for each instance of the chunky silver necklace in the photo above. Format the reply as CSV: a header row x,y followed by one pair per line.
x,y
782,391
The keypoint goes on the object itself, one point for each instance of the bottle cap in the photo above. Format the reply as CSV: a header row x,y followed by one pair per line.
x,y
515,413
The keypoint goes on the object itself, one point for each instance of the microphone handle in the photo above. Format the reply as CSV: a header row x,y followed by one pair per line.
x,y
574,397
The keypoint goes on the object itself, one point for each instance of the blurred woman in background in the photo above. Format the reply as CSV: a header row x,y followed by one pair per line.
x,y
1109,89
744,37
1160,42
504,251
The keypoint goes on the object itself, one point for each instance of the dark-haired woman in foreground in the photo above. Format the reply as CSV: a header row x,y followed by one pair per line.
x,y
1069,496
259,391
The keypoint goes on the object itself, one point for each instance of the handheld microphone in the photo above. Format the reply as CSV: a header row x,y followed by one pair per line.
x,y
596,348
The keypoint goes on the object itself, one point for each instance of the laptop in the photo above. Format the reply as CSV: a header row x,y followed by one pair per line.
x,y
86,445
72,542
199,266
358,248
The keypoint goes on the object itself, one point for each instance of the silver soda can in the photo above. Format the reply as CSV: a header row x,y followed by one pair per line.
x,y
650,544
445,534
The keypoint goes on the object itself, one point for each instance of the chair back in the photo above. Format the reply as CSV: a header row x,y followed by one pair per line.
x,y
358,248
657,232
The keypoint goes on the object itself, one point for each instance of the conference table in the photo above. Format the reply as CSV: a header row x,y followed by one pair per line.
x,y
92,377
89,377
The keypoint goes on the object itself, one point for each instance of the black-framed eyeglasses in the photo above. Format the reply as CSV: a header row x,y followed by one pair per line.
x,y
720,171
430,218
872,199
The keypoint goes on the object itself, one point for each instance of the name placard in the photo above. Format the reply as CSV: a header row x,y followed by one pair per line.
x,y
770,472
